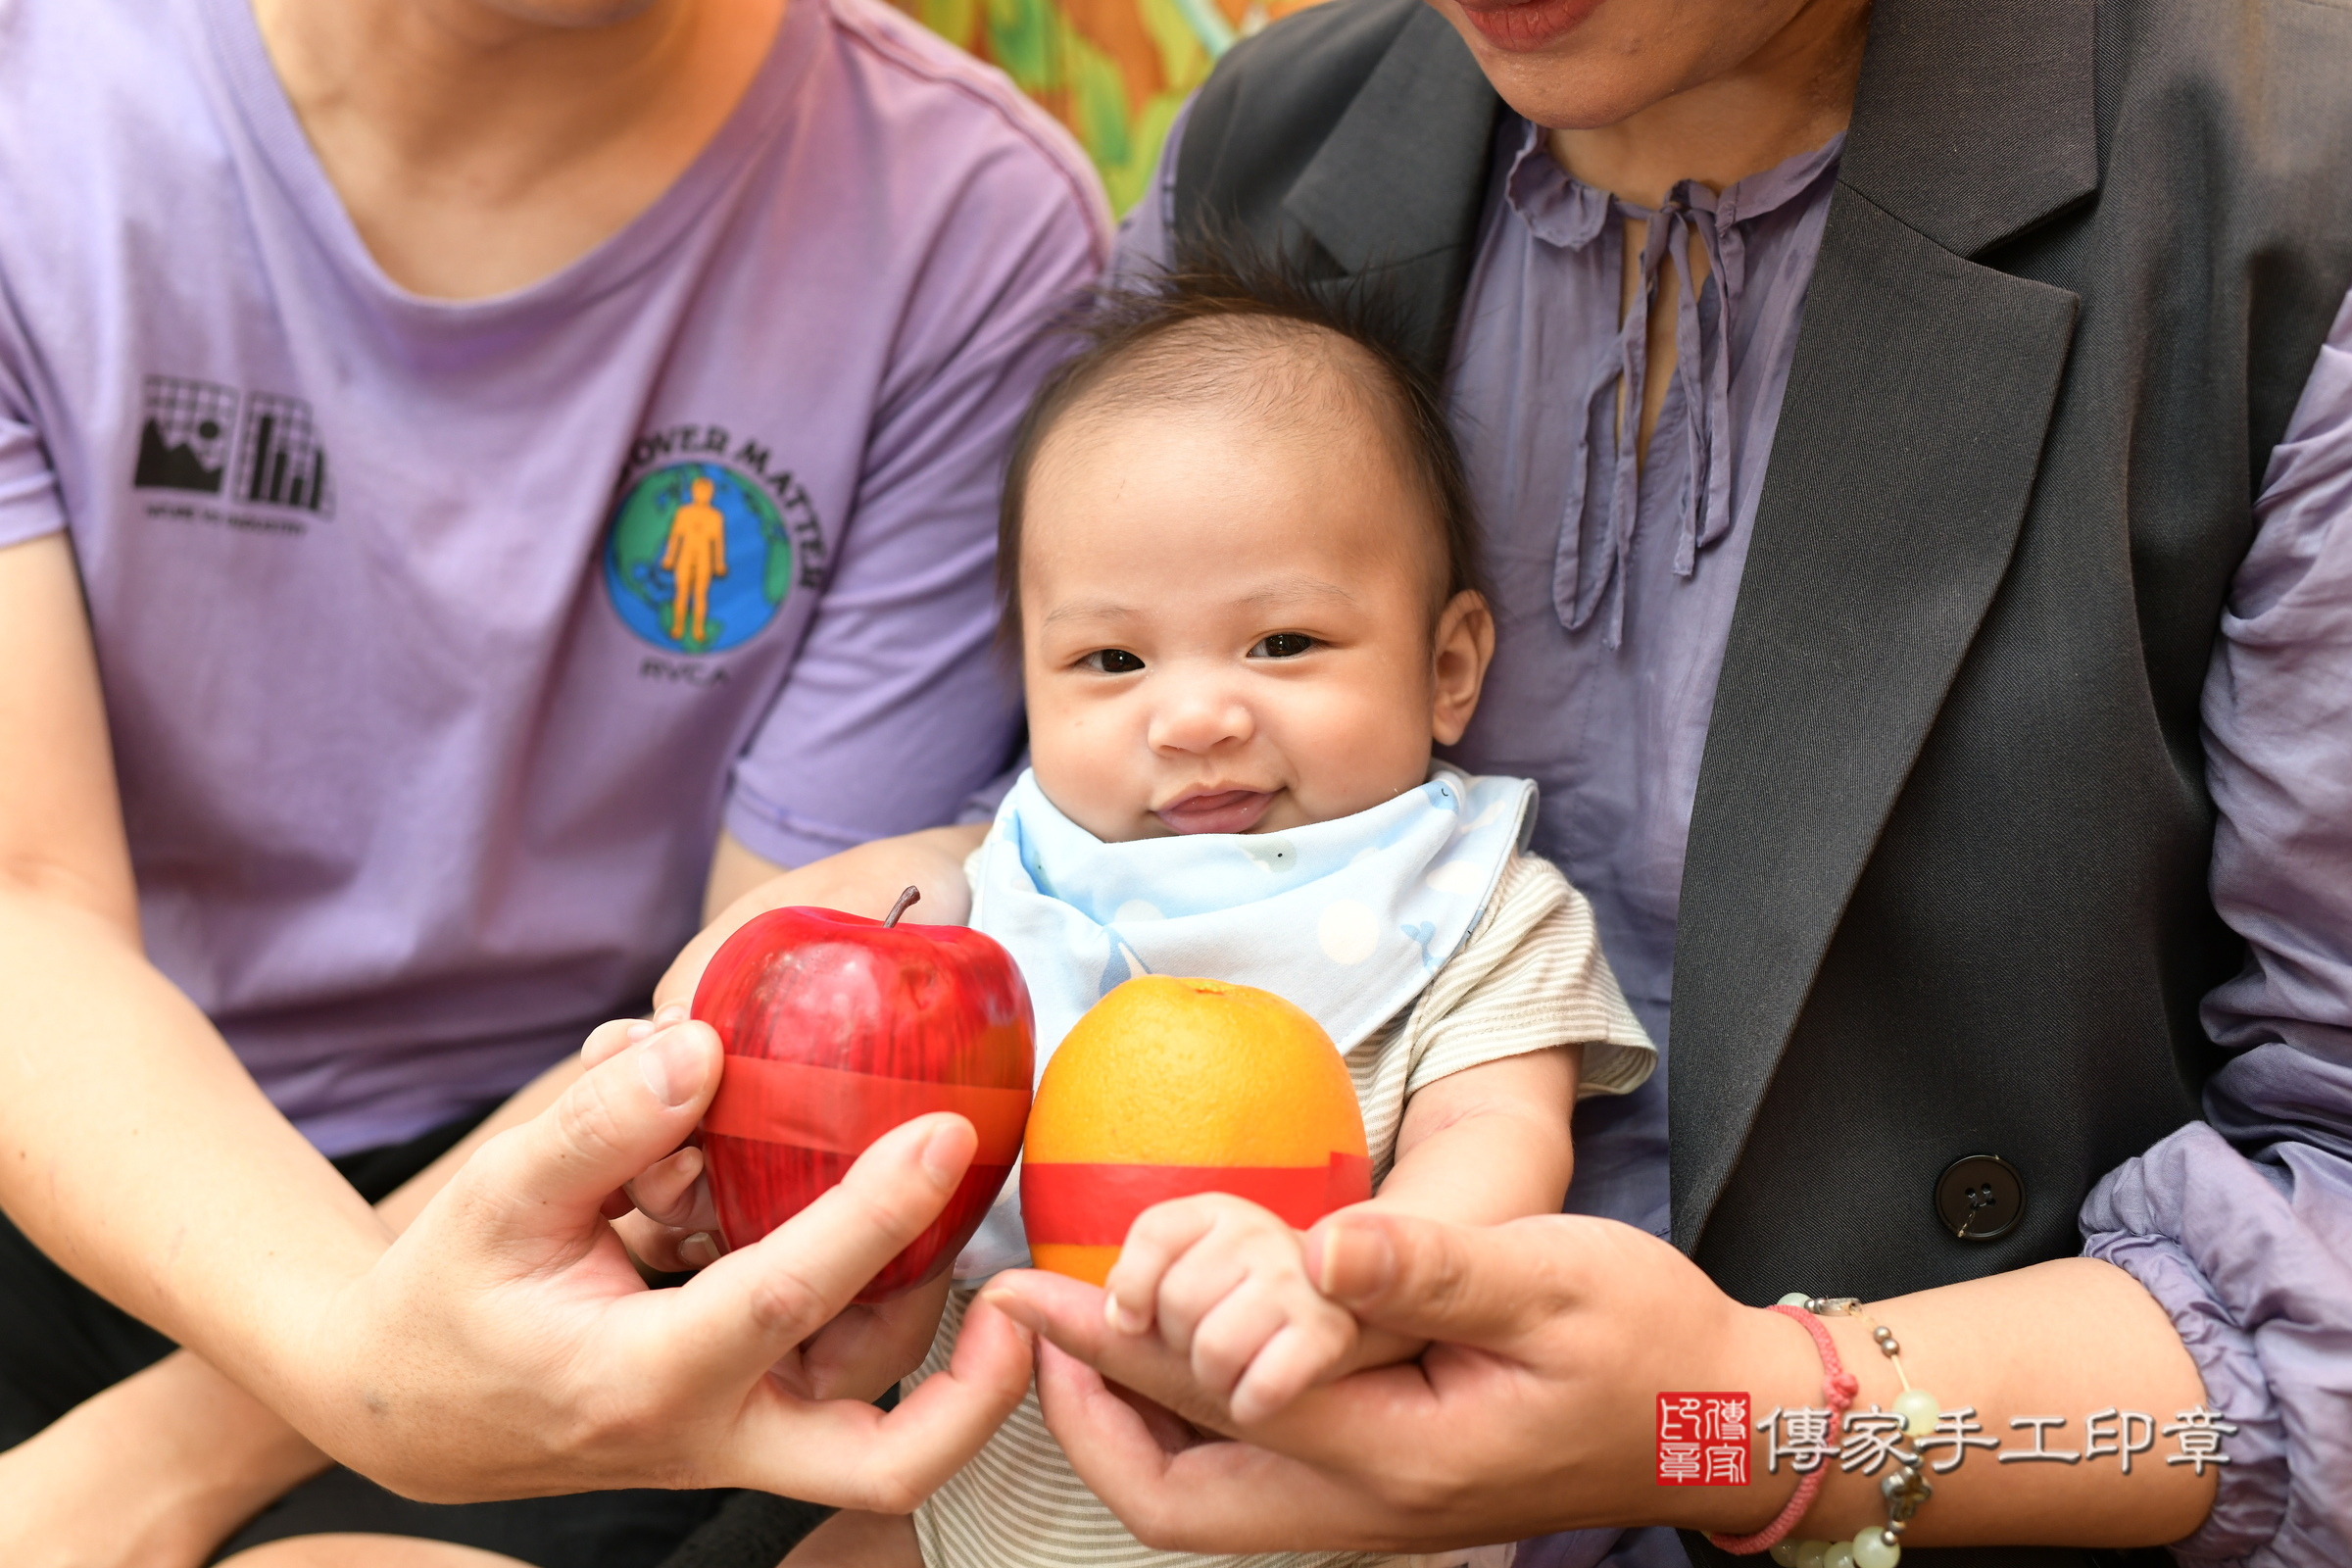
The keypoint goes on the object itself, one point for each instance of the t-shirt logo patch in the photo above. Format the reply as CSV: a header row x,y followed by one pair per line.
x,y
186,439
697,558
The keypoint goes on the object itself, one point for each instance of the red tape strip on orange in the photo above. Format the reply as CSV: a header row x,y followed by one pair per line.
x,y
1091,1206
841,1112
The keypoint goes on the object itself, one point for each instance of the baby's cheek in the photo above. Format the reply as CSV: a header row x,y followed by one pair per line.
x,y
1359,744
1091,772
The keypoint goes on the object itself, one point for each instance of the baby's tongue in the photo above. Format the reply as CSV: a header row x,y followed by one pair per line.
x,y
1226,811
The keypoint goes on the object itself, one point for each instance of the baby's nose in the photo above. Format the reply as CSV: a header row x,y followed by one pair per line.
x,y
1198,717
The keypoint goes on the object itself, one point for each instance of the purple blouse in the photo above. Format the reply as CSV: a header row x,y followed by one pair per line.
x,y
1614,587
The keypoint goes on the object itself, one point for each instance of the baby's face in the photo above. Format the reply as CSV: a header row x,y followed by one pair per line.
x,y
1227,630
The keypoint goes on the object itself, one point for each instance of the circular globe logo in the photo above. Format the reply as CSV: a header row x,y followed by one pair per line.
x,y
697,560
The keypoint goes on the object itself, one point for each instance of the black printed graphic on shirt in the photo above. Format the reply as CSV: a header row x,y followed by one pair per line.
x,y
185,444
280,460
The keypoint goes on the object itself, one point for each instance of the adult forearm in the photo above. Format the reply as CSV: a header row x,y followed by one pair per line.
x,y
865,880
161,1467
157,1471
2062,1340
407,1201
142,1158
1535,1407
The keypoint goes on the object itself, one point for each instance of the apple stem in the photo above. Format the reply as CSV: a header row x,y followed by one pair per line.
x,y
906,900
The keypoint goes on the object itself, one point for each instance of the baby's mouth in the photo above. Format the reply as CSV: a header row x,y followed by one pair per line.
x,y
1216,811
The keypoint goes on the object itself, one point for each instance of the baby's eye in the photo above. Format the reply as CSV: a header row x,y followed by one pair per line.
x,y
1112,661
1282,645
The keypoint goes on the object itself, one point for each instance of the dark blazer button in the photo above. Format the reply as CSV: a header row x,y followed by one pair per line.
x,y
1979,1198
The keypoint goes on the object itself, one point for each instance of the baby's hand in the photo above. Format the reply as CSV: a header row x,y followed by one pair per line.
x,y
1226,1283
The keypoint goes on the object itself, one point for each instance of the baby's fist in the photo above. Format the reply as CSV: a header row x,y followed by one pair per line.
x,y
1225,1283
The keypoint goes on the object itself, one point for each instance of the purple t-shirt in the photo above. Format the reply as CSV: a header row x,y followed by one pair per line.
x,y
440,639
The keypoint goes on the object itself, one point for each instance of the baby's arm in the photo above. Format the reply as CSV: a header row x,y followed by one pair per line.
x,y
1225,1283
1488,1143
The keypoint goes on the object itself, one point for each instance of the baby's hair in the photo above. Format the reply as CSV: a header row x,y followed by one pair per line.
x,y
1226,329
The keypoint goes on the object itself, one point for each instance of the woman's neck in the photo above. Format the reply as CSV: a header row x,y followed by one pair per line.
x,y
477,152
1793,94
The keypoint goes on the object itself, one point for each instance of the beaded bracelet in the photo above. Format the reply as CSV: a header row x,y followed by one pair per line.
x,y
1905,1488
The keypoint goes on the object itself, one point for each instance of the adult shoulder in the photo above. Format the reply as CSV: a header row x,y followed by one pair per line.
x,y
971,122
1275,98
1352,136
96,100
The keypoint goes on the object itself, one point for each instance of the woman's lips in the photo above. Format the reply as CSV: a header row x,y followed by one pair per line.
x,y
1526,24
1216,811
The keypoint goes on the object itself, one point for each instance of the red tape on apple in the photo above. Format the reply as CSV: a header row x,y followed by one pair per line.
x,y
1076,1204
841,1112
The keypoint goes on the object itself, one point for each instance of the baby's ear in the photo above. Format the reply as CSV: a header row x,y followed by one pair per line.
x,y
1461,649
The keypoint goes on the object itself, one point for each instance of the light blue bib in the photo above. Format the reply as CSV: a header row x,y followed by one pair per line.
x,y
1348,919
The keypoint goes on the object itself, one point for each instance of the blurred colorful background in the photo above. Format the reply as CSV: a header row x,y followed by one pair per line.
x,y
1115,72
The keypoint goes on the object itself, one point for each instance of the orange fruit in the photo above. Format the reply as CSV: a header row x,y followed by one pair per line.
x,y
1169,1087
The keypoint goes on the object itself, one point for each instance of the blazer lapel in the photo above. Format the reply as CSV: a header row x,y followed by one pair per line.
x,y
1903,463
1395,192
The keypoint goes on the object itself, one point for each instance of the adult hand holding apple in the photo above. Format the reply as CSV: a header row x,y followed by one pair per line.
x,y
504,1346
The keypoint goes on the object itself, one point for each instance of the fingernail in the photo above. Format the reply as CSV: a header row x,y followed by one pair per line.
x,y
674,1065
699,1251
1012,1306
1122,1318
1359,1261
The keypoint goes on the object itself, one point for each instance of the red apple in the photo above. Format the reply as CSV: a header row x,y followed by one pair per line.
x,y
837,1029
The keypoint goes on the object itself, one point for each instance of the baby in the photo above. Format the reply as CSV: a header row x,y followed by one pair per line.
x,y
1239,563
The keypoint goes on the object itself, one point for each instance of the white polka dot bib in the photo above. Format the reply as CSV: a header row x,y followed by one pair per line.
x,y
1347,919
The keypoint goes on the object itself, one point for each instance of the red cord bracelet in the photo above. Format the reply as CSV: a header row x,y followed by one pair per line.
x,y
1837,1387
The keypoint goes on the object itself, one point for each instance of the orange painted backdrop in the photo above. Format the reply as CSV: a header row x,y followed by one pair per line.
x,y
1114,72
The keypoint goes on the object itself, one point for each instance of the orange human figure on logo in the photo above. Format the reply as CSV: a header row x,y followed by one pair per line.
x,y
697,552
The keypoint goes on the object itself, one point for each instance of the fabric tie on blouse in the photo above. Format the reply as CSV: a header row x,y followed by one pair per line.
x,y
1602,513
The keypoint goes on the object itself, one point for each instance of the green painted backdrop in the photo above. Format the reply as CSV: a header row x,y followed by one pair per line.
x,y
1114,72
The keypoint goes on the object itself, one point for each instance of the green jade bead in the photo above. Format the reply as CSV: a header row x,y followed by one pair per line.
x,y
1796,1299
1840,1555
1919,1409
1810,1554
1875,1548
1784,1551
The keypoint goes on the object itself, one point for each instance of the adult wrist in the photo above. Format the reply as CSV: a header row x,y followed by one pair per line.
x,y
1775,1363
1848,1501
2034,1403
316,1374
1854,1504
